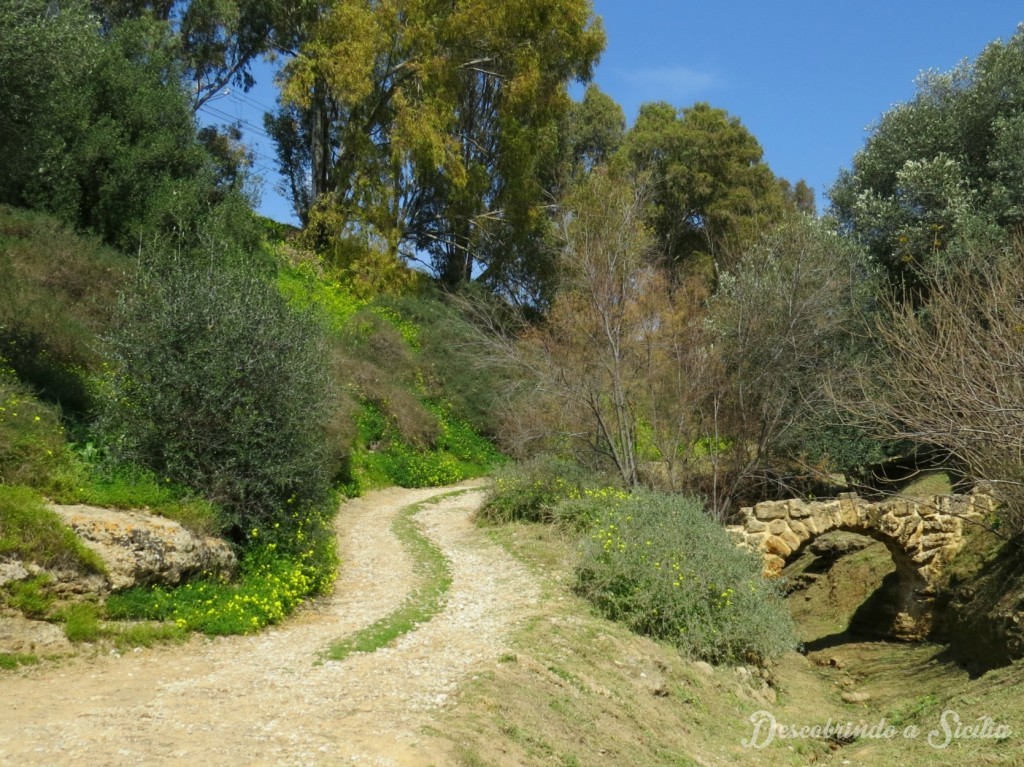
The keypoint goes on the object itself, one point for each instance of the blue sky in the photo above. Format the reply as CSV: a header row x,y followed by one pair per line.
x,y
806,78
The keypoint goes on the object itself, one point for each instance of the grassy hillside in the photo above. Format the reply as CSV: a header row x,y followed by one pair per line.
x,y
99,351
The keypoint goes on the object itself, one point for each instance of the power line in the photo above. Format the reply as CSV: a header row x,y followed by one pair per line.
x,y
246,98
237,120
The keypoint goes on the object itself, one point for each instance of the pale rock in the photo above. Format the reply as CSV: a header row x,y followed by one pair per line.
x,y
139,548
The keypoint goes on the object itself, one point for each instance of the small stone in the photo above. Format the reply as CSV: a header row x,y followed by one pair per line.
x,y
855,697
704,668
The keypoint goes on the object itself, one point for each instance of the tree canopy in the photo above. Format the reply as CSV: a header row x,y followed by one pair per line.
x,y
424,126
711,191
945,166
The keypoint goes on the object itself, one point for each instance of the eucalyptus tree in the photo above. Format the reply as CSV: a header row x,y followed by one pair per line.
x,y
423,128
217,41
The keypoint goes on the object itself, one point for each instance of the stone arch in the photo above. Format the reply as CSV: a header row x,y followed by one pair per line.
x,y
922,535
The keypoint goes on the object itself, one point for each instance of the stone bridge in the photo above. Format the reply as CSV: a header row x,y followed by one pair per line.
x,y
922,534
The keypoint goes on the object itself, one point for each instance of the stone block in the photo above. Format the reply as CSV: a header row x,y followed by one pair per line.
x,y
799,509
755,526
773,565
770,510
775,545
799,530
790,539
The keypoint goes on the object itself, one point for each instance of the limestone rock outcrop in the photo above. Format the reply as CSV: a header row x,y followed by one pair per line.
x,y
139,548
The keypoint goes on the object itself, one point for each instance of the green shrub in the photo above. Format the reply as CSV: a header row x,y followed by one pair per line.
x,y
532,490
660,565
222,387
34,533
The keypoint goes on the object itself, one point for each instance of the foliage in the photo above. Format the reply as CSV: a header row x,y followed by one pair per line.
x,y
711,192
940,168
783,322
424,603
220,386
617,368
534,490
271,585
947,372
458,453
215,42
595,128
57,290
660,565
425,127
34,533
109,143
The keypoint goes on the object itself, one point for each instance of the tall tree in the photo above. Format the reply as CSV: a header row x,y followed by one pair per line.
x,y
595,128
218,40
942,169
107,140
428,124
712,193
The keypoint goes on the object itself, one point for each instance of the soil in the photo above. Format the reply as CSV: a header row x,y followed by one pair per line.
x,y
271,699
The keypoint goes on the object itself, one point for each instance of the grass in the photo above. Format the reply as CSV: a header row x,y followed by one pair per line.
x,y
9,661
146,634
423,604
927,485
31,596
81,622
34,533
133,488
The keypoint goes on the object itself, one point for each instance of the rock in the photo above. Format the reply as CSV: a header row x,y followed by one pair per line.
x,y
704,668
21,635
139,548
11,571
838,545
769,510
855,697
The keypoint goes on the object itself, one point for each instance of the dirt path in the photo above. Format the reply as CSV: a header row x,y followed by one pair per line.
x,y
264,700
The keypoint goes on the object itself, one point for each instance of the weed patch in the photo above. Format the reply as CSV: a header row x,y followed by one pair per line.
x,y
31,596
81,622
